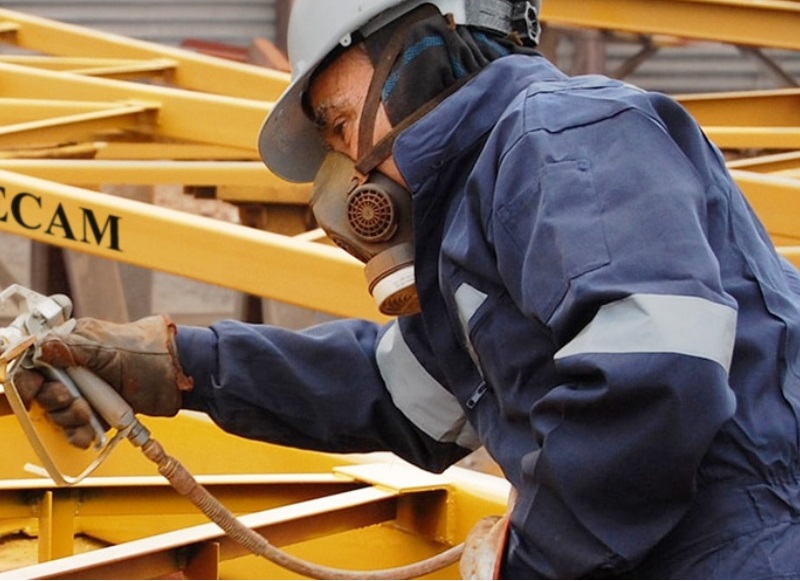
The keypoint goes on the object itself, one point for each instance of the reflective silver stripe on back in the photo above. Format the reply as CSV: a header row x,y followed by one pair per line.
x,y
647,323
421,398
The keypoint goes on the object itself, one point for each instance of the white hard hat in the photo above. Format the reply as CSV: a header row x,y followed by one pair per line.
x,y
289,143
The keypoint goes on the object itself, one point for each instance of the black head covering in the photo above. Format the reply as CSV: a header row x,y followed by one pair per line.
x,y
436,56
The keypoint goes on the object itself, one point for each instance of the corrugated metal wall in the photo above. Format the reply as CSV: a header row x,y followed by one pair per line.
x,y
695,67
164,21
700,67
688,67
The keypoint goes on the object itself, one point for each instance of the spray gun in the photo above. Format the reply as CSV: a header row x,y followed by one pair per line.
x,y
39,315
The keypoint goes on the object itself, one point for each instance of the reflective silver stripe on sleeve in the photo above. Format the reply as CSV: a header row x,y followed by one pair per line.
x,y
646,323
421,398
468,300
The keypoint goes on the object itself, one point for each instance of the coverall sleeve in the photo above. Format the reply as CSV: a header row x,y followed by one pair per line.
x,y
609,248
318,389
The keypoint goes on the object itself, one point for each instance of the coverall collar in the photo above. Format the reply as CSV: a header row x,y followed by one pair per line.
x,y
444,134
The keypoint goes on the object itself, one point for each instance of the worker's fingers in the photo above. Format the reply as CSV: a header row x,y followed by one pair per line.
x,y
54,396
54,351
28,384
81,436
71,413
77,414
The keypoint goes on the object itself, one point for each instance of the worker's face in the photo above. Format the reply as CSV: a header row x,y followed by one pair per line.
x,y
337,97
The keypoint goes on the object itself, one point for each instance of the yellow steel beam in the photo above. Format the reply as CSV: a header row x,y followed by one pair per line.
x,y
169,150
19,110
293,509
69,150
193,71
140,117
748,119
198,173
774,163
97,67
137,500
290,485
791,173
776,200
791,253
354,511
185,115
159,555
56,524
303,273
239,182
8,30
767,23
777,138
17,514
774,108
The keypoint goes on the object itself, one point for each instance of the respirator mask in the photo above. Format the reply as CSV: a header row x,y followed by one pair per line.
x,y
370,217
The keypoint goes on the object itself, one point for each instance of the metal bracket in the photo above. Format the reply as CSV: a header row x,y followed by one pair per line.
x,y
525,22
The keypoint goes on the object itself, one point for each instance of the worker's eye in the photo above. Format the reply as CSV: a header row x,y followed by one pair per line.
x,y
337,134
338,128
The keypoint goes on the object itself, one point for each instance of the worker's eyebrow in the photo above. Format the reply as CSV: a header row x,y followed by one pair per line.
x,y
321,115
323,112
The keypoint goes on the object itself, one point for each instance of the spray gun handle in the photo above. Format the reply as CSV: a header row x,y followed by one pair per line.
x,y
102,397
111,406
60,375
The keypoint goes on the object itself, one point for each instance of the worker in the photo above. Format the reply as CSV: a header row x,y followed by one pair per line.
x,y
575,283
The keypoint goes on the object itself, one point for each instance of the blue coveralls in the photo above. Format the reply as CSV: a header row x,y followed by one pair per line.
x,y
601,310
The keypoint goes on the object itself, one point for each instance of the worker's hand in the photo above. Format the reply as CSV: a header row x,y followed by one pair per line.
x,y
139,360
72,413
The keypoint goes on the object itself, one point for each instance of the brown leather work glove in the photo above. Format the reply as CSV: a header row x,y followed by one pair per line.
x,y
137,359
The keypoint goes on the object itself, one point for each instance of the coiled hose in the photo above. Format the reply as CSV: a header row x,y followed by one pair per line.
x,y
184,483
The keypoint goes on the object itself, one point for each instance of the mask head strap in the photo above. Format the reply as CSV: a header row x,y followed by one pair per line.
x,y
383,148
370,156
381,72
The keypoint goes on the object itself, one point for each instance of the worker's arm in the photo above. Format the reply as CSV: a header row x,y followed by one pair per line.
x,y
335,387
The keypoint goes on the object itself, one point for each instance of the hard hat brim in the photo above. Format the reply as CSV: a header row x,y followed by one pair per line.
x,y
289,143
